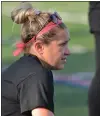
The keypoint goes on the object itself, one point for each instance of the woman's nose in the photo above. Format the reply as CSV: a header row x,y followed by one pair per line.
x,y
67,52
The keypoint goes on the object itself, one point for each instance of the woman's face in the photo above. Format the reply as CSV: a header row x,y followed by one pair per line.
x,y
55,54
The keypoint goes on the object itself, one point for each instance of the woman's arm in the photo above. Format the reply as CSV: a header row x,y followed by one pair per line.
x,y
41,112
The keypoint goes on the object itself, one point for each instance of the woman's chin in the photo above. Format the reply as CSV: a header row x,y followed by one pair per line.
x,y
60,67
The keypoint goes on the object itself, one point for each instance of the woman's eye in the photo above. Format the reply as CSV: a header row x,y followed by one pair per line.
x,y
63,44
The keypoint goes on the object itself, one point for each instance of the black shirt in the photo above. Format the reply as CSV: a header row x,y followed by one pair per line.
x,y
94,16
94,95
26,85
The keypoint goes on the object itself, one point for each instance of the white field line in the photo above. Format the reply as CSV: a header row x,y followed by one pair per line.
x,y
74,48
78,76
78,49
78,18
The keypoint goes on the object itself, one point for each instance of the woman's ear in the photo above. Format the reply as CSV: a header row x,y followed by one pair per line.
x,y
39,47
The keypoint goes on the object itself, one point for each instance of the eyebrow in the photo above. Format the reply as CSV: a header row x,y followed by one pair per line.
x,y
64,42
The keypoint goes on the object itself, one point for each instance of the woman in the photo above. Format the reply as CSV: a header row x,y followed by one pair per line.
x,y
27,85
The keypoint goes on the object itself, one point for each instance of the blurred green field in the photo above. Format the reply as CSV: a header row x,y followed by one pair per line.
x,y
69,101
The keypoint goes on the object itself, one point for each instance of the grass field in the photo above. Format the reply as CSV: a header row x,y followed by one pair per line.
x,y
69,101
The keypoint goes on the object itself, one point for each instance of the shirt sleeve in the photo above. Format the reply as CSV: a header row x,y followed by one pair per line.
x,y
36,91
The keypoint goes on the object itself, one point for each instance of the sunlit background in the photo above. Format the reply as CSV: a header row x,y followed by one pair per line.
x,y
71,84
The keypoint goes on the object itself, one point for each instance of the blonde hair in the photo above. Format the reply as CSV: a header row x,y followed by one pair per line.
x,y
31,23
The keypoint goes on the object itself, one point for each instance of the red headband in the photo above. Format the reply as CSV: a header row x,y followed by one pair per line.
x,y
20,46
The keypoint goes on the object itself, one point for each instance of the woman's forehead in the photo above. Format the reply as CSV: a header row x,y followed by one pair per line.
x,y
63,35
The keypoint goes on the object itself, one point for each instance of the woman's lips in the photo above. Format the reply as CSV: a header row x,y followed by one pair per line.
x,y
63,59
